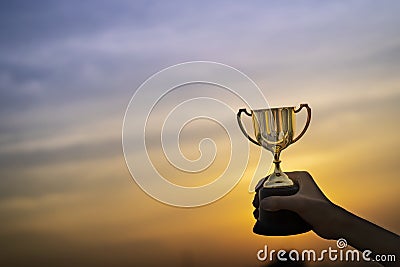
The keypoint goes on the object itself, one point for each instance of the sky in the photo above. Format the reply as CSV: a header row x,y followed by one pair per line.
x,y
68,70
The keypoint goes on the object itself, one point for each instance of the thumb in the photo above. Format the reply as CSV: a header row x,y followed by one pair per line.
x,y
275,203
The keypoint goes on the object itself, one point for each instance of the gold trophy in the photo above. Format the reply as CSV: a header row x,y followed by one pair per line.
x,y
274,130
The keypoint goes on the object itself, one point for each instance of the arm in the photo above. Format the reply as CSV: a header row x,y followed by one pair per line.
x,y
330,221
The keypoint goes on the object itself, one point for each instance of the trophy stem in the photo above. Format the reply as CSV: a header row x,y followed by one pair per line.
x,y
277,161
278,178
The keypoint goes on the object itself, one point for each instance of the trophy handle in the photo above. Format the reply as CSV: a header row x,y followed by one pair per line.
x,y
239,119
307,122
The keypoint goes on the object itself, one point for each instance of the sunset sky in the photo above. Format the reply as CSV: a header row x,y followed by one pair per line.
x,y
69,69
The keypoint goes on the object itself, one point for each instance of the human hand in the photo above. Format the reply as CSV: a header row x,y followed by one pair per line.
x,y
330,221
309,202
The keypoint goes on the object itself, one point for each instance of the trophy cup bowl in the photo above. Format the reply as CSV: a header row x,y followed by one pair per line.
x,y
274,131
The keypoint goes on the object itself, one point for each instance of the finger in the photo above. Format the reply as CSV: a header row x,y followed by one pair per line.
x,y
302,178
275,203
260,183
306,183
256,201
256,213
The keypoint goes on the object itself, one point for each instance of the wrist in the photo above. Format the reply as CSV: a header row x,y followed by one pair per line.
x,y
342,221
332,221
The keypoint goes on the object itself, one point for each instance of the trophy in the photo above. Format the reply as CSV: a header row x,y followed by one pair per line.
x,y
274,131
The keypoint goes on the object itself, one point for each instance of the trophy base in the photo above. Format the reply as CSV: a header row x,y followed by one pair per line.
x,y
281,222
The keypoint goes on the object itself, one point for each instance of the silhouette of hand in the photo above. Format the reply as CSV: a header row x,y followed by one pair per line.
x,y
309,202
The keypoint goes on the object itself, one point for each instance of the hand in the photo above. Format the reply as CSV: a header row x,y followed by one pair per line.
x,y
329,220
309,202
